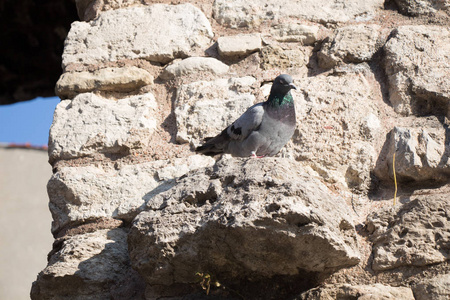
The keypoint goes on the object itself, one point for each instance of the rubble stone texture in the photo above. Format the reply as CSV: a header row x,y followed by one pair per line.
x,y
138,215
158,33
226,214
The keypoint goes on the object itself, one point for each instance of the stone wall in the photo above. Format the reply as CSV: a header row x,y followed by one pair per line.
x,y
138,215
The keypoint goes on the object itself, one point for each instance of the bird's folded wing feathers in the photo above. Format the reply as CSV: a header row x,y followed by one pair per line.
x,y
247,123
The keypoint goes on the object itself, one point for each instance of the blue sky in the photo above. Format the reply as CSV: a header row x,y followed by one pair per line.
x,y
28,121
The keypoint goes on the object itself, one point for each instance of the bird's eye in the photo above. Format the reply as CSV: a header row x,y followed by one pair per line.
x,y
281,81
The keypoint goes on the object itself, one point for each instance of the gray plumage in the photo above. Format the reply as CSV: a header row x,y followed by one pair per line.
x,y
263,129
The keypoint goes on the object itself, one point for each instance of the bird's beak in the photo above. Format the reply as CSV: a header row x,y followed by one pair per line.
x,y
292,86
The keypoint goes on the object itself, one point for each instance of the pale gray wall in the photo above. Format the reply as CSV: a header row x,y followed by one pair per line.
x,y
25,220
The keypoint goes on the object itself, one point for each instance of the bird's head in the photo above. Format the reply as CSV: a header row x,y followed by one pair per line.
x,y
283,84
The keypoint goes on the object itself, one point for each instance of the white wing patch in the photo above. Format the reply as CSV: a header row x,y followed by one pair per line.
x,y
247,123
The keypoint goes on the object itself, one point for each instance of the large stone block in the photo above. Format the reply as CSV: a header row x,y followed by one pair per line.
x,y
204,108
413,234
337,126
350,44
194,65
418,71
91,124
125,79
79,194
243,219
238,46
299,33
158,33
421,7
436,288
421,153
251,13
93,266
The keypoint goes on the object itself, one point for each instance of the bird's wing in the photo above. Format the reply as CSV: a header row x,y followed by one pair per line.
x,y
246,123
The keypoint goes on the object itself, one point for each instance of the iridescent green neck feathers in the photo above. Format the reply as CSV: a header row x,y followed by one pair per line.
x,y
280,100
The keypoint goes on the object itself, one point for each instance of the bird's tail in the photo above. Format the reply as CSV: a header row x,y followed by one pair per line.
x,y
215,145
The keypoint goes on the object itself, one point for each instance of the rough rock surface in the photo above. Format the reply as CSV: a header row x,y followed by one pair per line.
x,y
79,194
421,7
337,122
193,65
218,219
275,58
351,44
421,153
251,13
89,124
347,291
370,82
413,234
124,79
238,45
159,33
416,62
436,288
304,34
205,108
100,258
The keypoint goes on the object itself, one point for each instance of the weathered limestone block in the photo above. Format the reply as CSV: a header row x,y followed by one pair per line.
x,y
436,288
418,71
203,109
251,13
79,194
193,65
304,34
413,234
291,61
89,124
238,45
366,292
350,44
421,153
159,33
90,266
421,7
243,219
123,79
337,124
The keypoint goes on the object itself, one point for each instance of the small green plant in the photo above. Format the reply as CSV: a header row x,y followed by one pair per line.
x,y
206,281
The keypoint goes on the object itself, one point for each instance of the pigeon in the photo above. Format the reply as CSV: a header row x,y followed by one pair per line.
x,y
262,130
